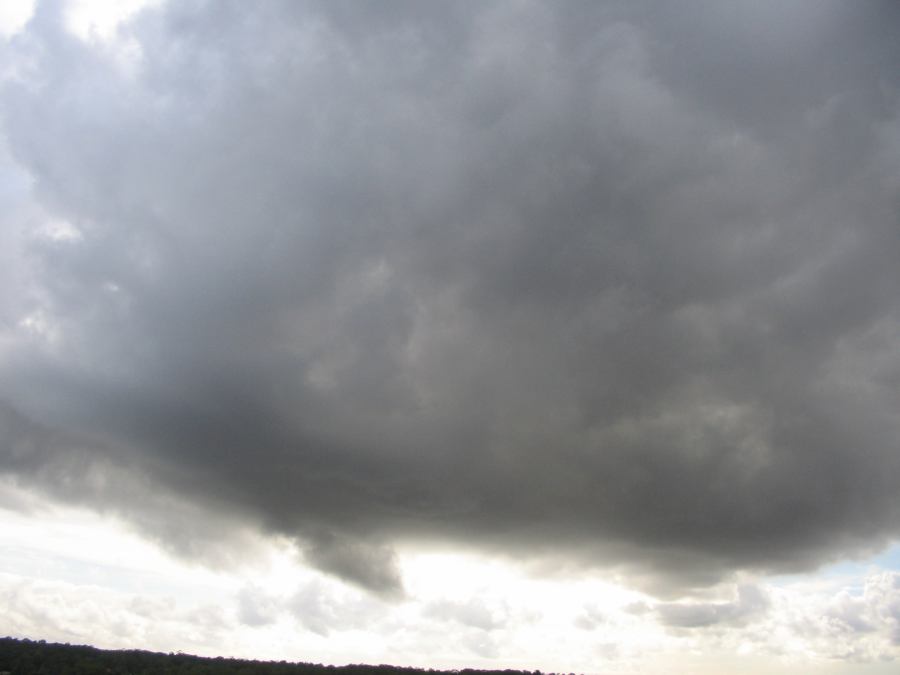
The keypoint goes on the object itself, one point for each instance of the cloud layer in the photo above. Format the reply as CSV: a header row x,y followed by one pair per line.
x,y
606,282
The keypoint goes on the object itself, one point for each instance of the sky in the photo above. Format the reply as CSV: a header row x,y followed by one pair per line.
x,y
557,335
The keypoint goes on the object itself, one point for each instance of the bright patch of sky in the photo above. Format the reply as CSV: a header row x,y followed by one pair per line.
x,y
72,575
14,15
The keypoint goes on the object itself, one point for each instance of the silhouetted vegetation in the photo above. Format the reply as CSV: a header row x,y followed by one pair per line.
x,y
29,657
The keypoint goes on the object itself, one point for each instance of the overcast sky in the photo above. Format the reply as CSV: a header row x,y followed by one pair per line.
x,y
522,323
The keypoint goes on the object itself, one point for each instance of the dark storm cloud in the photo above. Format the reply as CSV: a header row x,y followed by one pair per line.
x,y
615,282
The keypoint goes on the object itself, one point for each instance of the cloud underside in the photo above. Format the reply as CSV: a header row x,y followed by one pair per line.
x,y
611,283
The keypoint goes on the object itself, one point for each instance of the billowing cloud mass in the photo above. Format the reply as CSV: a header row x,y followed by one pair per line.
x,y
610,283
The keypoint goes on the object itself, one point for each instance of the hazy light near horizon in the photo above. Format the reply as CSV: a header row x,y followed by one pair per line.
x,y
73,576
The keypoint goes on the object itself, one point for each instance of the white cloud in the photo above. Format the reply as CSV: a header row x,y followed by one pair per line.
x,y
14,15
98,20
71,576
90,614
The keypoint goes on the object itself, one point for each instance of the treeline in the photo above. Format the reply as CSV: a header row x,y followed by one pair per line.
x,y
29,657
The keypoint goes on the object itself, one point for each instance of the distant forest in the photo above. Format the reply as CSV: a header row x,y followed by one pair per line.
x,y
29,657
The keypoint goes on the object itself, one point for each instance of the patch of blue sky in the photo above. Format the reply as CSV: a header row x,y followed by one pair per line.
x,y
35,564
849,574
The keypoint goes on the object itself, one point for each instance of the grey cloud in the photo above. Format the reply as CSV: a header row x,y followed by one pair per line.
x,y
474,613
88,470
321,611
608,282
369,565
751,602
256,608
591,618
317,607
